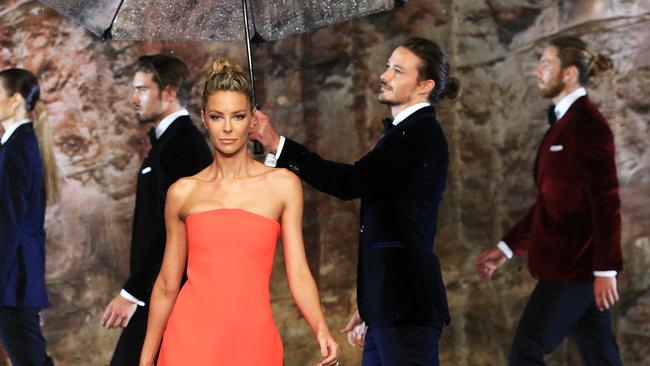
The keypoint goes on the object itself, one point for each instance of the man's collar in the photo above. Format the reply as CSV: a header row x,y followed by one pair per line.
x,y
567,101
167,121
9,131
408,111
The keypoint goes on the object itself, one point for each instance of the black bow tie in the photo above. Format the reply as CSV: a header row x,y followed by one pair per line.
x,y
388,124
552,118
152,136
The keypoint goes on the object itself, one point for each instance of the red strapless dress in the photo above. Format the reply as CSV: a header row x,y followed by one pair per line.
x,y
222,315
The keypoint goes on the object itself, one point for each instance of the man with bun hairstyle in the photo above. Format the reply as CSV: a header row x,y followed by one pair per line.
x,y
161,89
572,233
400,291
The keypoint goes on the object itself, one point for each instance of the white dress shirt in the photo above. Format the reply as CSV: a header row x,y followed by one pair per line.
x,y
167,121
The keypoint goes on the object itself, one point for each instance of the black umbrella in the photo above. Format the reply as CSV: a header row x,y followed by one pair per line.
x,y
213,20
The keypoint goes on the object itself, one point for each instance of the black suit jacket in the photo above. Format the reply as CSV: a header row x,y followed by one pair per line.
x,y
181,151
22,216
400,183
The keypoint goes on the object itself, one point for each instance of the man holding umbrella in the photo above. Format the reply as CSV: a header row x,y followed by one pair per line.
x,y
400,292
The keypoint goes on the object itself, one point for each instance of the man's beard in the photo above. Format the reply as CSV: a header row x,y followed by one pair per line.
x,y
148,118
553,89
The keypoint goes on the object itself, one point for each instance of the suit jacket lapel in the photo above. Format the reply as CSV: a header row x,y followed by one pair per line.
x,y
555,131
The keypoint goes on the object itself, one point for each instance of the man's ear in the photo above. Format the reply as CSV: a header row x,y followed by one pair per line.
x,y
169,94
570,74
426,86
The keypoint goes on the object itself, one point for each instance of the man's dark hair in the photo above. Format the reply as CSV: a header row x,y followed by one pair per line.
x,y
168,72
573,51
434,66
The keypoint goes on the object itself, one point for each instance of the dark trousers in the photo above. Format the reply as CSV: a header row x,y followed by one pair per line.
x,y
402,345
556,310
21,336
129,346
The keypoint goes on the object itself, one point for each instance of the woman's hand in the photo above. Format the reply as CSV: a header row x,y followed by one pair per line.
x,y
328,348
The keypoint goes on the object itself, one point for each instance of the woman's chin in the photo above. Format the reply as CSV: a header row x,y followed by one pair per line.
x,y
229,150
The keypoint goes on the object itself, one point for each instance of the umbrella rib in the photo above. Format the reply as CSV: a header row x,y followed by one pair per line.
x,y
107,32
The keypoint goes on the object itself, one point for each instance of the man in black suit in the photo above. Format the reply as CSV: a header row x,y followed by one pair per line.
x,y
161,88
400,292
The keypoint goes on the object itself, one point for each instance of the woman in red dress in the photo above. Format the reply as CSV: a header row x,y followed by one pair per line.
x,y
223,223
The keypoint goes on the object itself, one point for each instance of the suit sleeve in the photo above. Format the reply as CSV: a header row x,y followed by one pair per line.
x,y
386,168
519,235
189,156
595,154
14,190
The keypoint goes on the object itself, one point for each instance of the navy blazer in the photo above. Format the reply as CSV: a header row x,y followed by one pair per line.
x,y
181,151
22,217
400,183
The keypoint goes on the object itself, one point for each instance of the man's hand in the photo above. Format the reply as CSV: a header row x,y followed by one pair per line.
x,y
356,330
262,131
489,261
605,292
118,313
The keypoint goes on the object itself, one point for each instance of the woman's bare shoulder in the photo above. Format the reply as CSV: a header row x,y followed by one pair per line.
x,y
282,177
182,188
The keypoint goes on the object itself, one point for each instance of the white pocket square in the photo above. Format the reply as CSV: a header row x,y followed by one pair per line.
x,y
146,170
555,148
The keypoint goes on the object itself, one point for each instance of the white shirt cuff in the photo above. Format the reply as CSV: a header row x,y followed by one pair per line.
x,y
272,159
131,298
605,273
505,249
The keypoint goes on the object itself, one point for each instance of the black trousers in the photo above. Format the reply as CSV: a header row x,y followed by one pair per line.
x,y
402,345
557,310
21,336
129,346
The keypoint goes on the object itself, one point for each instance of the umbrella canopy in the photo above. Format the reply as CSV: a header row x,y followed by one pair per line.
x,y
213,20
210,20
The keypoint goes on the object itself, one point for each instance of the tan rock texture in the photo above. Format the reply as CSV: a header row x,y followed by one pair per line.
x,y
320,89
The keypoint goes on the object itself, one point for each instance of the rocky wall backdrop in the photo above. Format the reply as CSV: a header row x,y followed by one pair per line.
x,y
320,89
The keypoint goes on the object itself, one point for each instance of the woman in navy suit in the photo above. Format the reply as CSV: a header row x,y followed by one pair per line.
x,y
28,181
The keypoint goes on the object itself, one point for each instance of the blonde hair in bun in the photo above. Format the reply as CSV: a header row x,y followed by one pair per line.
x,y
227,75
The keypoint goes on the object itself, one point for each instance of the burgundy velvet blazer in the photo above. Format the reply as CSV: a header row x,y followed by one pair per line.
x,y
574,227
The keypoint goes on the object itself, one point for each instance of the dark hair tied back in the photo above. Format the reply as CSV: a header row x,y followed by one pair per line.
x,y
573,51
434,66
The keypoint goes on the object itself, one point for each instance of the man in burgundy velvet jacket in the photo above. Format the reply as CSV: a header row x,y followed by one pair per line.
x,y
572,232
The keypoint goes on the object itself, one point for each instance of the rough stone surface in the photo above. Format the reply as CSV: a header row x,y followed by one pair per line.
x,y
320,89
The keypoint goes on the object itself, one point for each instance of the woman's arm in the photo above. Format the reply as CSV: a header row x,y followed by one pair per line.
x,y
168,282
302,285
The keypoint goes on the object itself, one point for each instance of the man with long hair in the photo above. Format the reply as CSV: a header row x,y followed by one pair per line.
x,y
573,231
400,292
